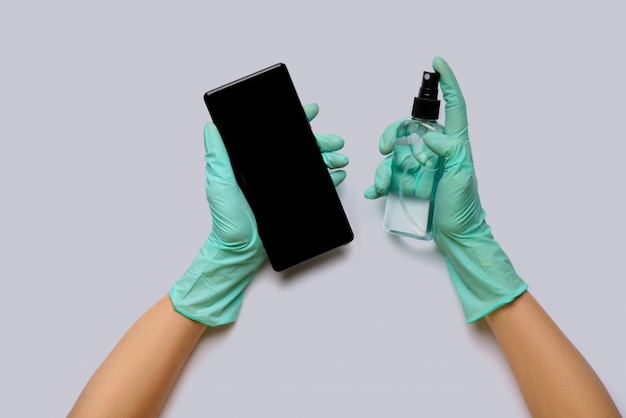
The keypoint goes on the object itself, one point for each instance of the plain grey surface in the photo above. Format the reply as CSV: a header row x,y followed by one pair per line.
x,y
103,206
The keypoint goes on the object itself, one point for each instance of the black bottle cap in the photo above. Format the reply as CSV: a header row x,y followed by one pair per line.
x,y
426,105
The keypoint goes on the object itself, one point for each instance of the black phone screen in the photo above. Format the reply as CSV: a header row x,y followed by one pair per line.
x,y
279,167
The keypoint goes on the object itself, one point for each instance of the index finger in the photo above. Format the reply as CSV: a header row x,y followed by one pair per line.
x,y
456,113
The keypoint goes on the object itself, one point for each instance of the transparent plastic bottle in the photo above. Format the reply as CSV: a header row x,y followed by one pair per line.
x,y
416,170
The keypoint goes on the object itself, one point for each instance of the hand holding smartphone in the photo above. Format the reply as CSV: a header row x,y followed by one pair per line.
x,y
279,167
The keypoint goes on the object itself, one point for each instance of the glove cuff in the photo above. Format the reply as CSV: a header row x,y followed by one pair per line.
x,y
482,274
211,290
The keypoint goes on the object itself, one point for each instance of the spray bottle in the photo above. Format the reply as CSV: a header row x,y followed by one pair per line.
x,y
416,170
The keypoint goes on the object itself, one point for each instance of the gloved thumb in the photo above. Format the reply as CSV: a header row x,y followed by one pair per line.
x,y
441,144
217,160
311,110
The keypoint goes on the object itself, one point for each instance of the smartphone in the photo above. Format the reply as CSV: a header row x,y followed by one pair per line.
x,y
279,167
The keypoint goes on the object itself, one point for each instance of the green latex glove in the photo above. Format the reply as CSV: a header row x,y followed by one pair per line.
x,y
481,272
211,290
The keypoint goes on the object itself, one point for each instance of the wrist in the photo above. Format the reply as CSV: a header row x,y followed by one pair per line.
x,y
211,289
482,273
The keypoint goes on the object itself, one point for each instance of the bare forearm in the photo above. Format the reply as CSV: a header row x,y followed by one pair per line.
x,y
555,379
137,376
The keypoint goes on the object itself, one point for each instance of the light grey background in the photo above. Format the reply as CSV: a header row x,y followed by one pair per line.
x,y
103,206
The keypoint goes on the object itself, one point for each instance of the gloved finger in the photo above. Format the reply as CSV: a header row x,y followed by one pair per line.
x,y
456,113
335,159
455,153
216,157
441,144
311,110
370,193
338,176
388,138
382,181
329,142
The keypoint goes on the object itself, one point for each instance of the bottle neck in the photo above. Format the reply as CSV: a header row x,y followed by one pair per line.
x,y
428,120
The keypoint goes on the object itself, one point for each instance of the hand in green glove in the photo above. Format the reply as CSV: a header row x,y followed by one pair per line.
x,y
390,173
480,270
211,289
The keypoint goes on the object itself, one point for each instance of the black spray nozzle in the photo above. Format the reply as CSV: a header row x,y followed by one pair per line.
x,y
426,105
430,85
